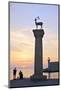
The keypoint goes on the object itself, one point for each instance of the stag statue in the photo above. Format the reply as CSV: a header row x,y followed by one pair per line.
x,y
38,23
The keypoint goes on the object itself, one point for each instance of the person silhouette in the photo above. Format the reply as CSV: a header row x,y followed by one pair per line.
x,y
20,75
14,73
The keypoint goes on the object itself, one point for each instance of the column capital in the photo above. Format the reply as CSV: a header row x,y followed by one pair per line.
x,y
38,32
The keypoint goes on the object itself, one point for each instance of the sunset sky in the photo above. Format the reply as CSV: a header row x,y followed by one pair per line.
x,y
22,41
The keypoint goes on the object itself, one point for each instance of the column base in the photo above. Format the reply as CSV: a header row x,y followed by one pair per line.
x,y
38,77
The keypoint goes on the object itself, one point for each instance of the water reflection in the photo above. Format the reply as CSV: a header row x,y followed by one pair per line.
x,y
52,75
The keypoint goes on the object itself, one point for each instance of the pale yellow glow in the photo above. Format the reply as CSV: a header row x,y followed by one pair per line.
x,y
22,47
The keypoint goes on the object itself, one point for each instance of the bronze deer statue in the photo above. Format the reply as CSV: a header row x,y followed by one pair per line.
x,y
38,23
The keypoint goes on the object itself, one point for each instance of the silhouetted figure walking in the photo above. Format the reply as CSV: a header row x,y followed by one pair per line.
x,y
14,73
20,75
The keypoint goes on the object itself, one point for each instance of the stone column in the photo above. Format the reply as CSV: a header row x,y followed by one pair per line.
x,y
38,65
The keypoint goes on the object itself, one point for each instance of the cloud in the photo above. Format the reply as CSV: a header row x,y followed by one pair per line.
x,y
50,46
23,43
19,39
21,48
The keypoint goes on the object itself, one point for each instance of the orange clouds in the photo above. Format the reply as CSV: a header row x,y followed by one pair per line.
x,y
50,46
22,47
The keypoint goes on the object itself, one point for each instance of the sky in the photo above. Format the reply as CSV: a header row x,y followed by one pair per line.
x,y
22,41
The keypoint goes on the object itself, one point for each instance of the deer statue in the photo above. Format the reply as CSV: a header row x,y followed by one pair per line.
x,y
38,23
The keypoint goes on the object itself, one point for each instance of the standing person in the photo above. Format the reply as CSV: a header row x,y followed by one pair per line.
x,y
14,73
20,75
